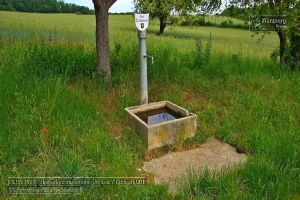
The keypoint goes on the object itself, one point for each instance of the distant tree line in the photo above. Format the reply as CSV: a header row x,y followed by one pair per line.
x,y
43,6
121,13
239,13
201,20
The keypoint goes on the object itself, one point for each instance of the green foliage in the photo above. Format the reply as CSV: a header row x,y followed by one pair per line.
x,y
195,21
212,20
288,47
163,10
257,180
227,23
58,60
202,57
43,6
122,59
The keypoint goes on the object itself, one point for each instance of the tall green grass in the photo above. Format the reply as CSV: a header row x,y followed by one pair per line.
x,y
47,81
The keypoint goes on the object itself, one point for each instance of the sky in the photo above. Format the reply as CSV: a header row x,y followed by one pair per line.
x,y
119,6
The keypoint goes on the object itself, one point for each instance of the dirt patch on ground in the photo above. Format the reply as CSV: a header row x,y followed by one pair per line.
x,y
213,155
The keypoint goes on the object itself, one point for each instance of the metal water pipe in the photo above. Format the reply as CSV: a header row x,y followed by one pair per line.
x,y
143,66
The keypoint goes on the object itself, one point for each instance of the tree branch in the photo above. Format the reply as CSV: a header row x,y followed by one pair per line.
x,y
107,3
110,3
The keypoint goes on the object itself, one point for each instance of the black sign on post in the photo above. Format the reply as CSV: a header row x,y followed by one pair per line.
x,y
267,22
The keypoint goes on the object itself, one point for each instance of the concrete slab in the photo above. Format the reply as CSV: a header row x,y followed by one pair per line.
x,y
213,155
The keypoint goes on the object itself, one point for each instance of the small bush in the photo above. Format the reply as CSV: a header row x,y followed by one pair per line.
x,y
202,56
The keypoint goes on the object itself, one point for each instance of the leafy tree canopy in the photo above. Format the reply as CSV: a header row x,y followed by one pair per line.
x,y
289,49
165,9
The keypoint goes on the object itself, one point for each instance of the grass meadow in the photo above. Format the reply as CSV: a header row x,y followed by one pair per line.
x,y
58,120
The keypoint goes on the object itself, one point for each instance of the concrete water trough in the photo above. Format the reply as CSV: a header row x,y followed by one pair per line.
x,y
161,123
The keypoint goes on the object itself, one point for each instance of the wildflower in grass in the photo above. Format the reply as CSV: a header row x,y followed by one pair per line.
x,y
45,130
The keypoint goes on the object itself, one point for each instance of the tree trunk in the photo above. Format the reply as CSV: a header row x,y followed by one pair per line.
x,y
162,25
102,39
283,41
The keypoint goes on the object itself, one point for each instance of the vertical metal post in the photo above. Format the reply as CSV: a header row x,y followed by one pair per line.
x,y
143,67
